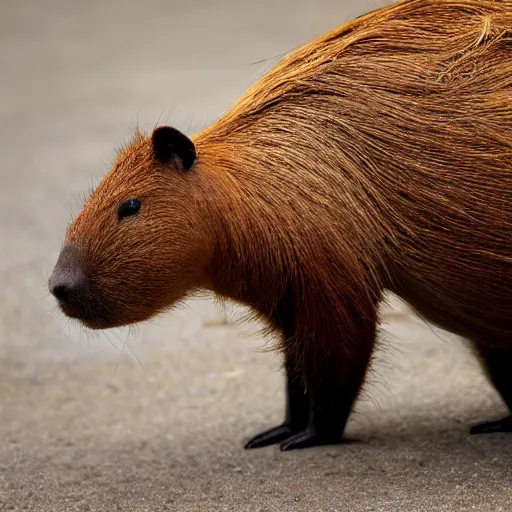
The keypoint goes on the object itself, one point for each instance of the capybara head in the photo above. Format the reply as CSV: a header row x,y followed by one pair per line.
x,y
137,245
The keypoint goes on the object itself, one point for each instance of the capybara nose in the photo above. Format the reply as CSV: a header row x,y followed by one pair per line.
x,y
68,282
68,286
60,291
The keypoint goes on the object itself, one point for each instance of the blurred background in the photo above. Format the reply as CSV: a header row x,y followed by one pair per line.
x,y
155,419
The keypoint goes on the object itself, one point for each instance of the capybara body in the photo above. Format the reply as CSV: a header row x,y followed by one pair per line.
x,y
376,157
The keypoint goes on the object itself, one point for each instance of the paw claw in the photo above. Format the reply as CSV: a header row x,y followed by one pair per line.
x,y
268,437
490,427
307,439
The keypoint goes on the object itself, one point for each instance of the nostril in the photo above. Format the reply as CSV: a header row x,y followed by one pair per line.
x,y
68,283
61,292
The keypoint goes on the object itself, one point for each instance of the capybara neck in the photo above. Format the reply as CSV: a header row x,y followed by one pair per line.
x,y
277,226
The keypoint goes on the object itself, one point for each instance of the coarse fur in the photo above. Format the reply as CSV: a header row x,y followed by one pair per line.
x,y
378,156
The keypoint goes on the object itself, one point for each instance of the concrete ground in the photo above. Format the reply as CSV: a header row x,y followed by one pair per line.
x,y
84,426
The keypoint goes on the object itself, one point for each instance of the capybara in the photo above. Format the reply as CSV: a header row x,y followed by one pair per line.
x,y
377,157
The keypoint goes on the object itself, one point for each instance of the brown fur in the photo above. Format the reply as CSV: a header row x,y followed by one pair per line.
x,y
378,156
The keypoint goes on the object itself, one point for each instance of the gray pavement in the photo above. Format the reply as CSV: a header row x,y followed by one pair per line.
x,y
154,419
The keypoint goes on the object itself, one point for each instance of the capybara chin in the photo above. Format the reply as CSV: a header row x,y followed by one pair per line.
x,y
377,157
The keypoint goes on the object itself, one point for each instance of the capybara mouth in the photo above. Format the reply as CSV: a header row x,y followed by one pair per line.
x,y
89,315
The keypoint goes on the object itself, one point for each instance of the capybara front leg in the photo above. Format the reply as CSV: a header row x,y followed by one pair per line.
x,y
297,401
334,381
296,415
498,365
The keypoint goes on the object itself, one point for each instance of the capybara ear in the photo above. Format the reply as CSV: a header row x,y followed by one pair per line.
x,y
169,143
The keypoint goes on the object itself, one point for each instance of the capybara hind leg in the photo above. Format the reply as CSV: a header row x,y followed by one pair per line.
x,y
498,364
297,401
334,382
296,415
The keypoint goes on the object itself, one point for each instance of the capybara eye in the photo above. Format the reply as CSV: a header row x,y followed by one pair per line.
x,y
128,208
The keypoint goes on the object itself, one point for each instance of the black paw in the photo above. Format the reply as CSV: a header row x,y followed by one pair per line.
x,y
271,436
489,427
309,438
